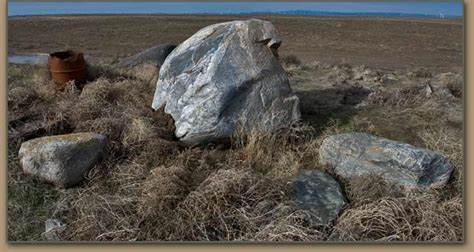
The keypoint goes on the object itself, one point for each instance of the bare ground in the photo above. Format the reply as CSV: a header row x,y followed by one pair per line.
x,y
377,42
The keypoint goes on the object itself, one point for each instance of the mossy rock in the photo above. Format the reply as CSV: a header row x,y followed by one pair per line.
x,y
62,160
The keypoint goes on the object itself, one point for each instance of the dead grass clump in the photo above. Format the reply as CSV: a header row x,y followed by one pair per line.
x,y
365,189
413,218
289,225
407,96
447,142
163,120
21,97
420,73
43,85
103,216
107,208
127,177
453,82
30,203
456,89
108,126
104,71
119,108
290,60
152,145
217,209
95,101
34,89
163,189
227,205
154,152
264,148
140,129
342,73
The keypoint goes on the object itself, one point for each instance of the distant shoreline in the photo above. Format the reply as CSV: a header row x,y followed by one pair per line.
x,y
314,14
405,17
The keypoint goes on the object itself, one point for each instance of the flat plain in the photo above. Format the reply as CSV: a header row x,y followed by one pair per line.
x,y
381,42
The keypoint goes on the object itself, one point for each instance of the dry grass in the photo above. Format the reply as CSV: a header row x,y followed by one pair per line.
x,y
151,188
290,60
409,218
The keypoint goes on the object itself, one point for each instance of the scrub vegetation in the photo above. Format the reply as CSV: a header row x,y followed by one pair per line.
x,y
150,187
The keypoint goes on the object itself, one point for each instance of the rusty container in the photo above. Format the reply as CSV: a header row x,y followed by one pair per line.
x,y
66,66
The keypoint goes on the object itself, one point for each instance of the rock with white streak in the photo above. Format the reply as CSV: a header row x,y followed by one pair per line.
x,y
226,77
54,229
360,154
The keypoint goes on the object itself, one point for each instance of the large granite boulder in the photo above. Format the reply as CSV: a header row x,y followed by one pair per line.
x,y
319,193
225,77
155,55
359,154
62,160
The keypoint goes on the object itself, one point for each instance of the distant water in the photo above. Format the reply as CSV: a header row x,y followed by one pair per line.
x,y
438,9
28,59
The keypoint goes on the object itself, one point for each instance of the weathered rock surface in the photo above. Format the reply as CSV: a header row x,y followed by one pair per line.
x,y
319,193
225,76
358,154
155,55
63,159
53,230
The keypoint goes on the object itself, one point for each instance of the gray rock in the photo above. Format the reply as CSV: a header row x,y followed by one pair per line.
x,y
62,160
155,55
358,154
428,90
53,230
224,77
319,193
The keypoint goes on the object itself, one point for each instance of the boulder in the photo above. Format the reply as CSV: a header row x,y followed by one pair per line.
x,y
359,154
319,193
226,77
54,229
155,55
63,159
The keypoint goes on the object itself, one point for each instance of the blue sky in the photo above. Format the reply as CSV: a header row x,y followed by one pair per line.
x,y
433,8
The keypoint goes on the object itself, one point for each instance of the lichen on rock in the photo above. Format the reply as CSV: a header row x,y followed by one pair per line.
x,y
62,160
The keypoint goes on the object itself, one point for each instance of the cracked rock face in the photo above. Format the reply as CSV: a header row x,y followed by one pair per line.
x,y
359,154
224,77
63,159
319,193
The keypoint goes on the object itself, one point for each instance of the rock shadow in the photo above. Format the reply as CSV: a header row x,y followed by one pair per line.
x,y
321,106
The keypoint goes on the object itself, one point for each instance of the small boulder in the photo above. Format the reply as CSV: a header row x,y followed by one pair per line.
x,y
63,159
226,77
155,55
54,229
359,154
319,193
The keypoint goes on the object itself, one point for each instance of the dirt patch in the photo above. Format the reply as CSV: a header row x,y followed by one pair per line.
x,y
377,42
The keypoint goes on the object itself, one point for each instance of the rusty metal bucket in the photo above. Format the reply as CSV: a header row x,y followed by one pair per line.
x,y
66,66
